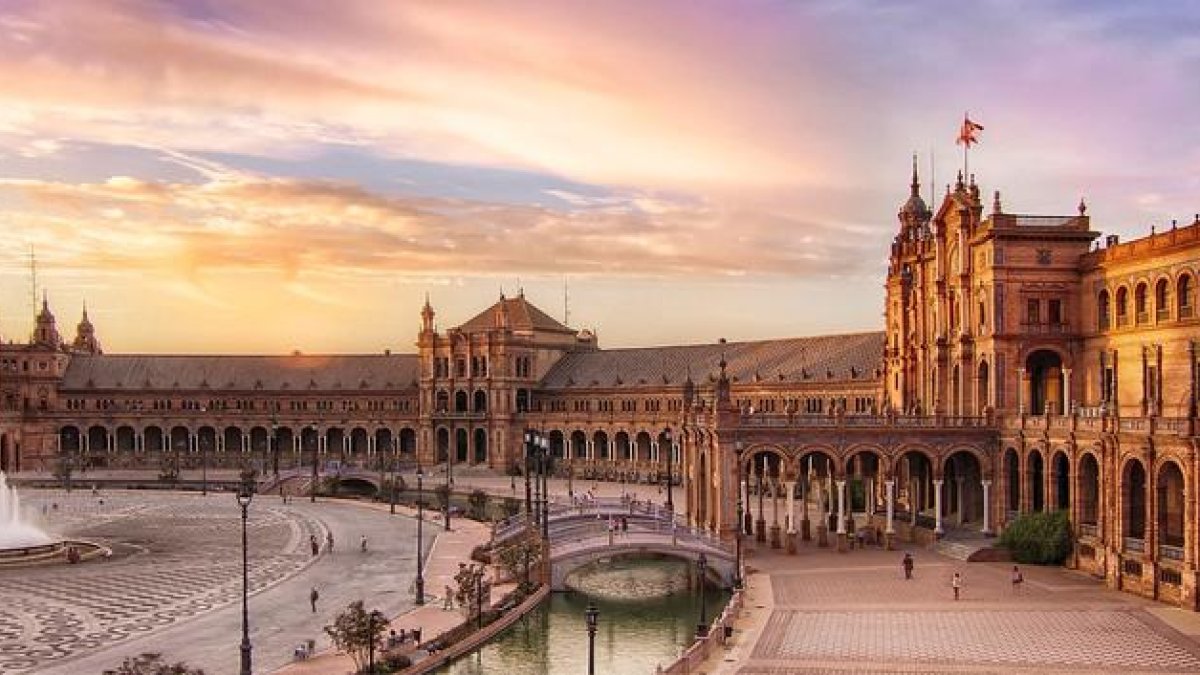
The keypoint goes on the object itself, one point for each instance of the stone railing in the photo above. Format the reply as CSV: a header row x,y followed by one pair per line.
x,y
1135,545
712,640
1166,552
865,421
1087,530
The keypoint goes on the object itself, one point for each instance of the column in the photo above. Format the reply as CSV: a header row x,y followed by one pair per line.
x,y
1021,391
790,518
937,506
776,541
987,507
1066,375
841,515
889,487
822,515
805,527
245,443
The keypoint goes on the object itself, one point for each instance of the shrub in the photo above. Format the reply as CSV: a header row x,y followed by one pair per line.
x,y
1038,538
356,631
479,502
152,664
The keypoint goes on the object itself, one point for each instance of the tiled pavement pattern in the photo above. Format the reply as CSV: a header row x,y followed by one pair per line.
x,y
176,557
853,612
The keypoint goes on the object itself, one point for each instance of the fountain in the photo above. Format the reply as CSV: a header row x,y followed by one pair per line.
x,y
19,538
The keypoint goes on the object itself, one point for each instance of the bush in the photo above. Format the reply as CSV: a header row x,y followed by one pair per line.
x,y
1038,538
479,502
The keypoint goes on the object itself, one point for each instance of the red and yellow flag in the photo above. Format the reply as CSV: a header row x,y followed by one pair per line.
x,y
967,133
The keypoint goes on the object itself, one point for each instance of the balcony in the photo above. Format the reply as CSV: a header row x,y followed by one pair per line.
x,y
1163,314
1135,545
1039,328
1143,317
1185,311
1088,530
1122,320
1166,552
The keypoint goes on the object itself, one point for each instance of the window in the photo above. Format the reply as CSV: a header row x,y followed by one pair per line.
x,y
1033,311
1183,296
1142,314
460,367
1162,305
1122,306
1103,319
1054,312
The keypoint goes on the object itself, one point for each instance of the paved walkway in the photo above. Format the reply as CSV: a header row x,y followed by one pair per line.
x,y
824,612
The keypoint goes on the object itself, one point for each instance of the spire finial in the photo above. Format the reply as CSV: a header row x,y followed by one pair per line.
x,y
996,202
916,183
1082,207
45,300
958,185
85,311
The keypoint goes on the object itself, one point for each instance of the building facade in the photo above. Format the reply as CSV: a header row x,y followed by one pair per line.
x,y
1022,366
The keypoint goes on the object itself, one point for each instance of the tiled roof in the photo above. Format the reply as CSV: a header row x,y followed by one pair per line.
x,y
813,359
271,373
522,316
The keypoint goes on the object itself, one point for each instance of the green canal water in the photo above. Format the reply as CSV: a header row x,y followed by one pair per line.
x,y
647,617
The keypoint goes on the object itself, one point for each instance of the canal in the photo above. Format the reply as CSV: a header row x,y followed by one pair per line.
x,y
648,616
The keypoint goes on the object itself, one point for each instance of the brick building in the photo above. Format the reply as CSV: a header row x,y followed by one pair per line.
x,y
1021,367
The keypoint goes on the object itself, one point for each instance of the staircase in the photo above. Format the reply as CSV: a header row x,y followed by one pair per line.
x,y
970,546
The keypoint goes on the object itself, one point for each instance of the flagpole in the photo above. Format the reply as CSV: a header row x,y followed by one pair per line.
x,y
966,146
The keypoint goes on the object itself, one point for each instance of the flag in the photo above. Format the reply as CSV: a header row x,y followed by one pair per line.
x,y
966,135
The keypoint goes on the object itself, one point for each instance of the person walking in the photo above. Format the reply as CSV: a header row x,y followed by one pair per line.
x,y
1017,579
956,583
362,543
907,564
312,541
313,596
448,599
329,541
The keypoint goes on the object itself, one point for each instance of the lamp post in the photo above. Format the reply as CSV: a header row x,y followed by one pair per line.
x,y
529,440
592,616
203,459
737,539
545,470
312,485
670,451
449,491
702,564
244,496
273,448
479,599
420,582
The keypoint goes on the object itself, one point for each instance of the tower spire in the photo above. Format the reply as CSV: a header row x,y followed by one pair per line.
x,y
916,182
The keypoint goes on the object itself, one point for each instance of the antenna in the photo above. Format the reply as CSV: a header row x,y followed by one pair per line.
x,y
932,181
566,304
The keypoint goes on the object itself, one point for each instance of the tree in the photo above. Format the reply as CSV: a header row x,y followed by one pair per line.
x,y
518,556
442,492
479,503
1038,538
357,632
150,663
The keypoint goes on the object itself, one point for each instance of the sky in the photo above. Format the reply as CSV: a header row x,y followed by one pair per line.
x,y
221,176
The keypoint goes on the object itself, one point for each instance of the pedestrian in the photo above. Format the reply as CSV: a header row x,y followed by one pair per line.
x,y
448,599
1017,579
316,548
313,596
362,543
956,583
416,634
329,541
624,525
907,563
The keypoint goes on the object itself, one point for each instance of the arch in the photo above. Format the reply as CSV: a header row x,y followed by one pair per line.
x,y
6,464
1185,301
624,448
461,442
335,443
385,443
358,440
963,474
1089,489
481,445
69,439
1103,310
1044,370
442,401
97,439
152,439
1162,300
1035,470
481,401
285,440
557,443
914,480
1133,500
232,439
1141,301
642,449
578,445
983,388
863,470
1171,507
522,400
260,440
460,401
443,445
1012,476
125,439
309,440
1060,471
1122,306
181,439
408,442
600,442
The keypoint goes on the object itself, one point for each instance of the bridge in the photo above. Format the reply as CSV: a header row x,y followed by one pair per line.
x,y
582,535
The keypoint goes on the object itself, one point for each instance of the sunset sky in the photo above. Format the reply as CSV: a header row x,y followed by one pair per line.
x,y
253,176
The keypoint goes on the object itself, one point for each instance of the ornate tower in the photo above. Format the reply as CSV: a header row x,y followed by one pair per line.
x,y
45,332
85,336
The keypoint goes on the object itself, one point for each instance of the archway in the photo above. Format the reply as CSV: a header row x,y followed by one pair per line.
x,y
624,447
1044,368
914,480
1133,500
1171,509
69,439
1060,468
97,440
358,441
578,445
557,444
1037,485
335,443
642,451
153,439
125,439
461,442
1012,477
232,439
600,442
481,446
6,465
460,401
1089,490
443,445
408,443
964,488
982,389
763,468
863,487
480,401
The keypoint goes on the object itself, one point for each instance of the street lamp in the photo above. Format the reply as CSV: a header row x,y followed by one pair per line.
x,y
593,616
544,467
420,582
702,564
312,485
244,496
670,451
530,438
449,492
737,570
203,459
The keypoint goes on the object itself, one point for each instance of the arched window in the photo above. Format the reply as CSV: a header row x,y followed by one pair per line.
x,y
1122,306
1183,296
1162,306
1103,318
1142,313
